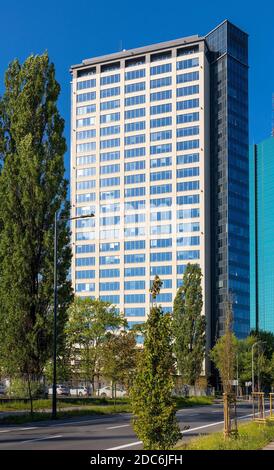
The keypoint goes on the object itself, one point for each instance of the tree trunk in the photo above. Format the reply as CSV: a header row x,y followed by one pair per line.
x,y
30,396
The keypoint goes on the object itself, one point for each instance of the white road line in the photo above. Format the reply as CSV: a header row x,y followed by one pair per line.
x,y
117,427
19,429
183,432
126,445
40,439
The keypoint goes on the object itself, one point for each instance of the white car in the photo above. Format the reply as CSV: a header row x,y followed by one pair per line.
x,y
60,390
80,391
107,392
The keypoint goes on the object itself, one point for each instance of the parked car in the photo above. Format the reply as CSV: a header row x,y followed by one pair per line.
x,y
107,392
3,389
80,391
61,390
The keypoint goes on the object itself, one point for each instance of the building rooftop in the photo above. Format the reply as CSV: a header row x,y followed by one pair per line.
x,y
139,50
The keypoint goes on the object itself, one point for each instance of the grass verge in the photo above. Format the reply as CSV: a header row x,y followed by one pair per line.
x,y
83,407
252,436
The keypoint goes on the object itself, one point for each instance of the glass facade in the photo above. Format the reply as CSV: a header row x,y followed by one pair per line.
x,y
261,235
144,162
230,198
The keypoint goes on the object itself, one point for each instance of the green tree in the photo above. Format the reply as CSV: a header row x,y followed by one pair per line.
x,y
87,329
32,189
262,359
223,354
119,358
151,394
189,325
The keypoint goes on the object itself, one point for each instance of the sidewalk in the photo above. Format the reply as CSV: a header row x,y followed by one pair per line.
x,y
269,446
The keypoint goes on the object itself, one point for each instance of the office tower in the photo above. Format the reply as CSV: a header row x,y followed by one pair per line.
x,y
262,235
159,153
229,176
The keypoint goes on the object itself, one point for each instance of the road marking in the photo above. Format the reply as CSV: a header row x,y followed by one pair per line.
x,y
19,429
117,427
182,432
126,445
40,439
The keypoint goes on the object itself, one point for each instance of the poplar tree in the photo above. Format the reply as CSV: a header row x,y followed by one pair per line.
x,y
151,395
32,189
189,325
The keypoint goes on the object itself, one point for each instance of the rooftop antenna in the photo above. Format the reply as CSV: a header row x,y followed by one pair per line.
x,y
120,45
272,130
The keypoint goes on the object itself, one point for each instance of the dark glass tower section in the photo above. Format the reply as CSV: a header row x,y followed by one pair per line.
x,y
228,56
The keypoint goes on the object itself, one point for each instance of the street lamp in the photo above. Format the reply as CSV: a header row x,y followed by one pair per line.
x,y
56,220
252,361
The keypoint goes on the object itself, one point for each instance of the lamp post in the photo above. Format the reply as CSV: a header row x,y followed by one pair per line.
x,y
56,220
252,361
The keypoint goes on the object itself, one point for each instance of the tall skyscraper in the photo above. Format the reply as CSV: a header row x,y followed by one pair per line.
x,y
159,151
262,235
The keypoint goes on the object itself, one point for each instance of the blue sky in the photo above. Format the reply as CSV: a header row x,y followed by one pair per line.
x,y
74,30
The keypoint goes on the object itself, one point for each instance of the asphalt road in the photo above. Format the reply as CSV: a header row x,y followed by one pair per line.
x,y
107,433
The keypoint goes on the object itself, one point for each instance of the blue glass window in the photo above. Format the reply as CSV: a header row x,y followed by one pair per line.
x,y
187,63
161,135
109,105
110,273
133,100
107,92
85,249
161,189
188,186
164,68
160,270
86,97
188,158
108,156
86,84
134,192
135,312
188,172
134,285
161,95
161,108
113,246
189,117
133,74
162,256
87,274
187,104
135,87
161,175
134,179
187,90
135,258
186,255
160,82
109,130
110,79
105,118
134,298
133,166
188,145
161,243
109,286
135,113
135,272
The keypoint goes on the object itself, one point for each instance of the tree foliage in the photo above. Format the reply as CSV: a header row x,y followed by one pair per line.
x,y
189,325
152,405
90,321
224,352
119,357
32,189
